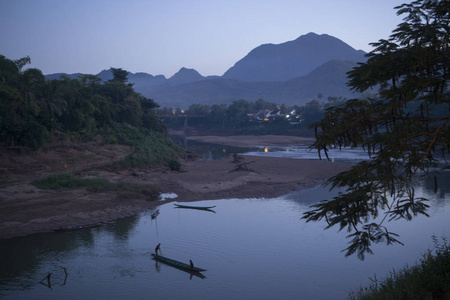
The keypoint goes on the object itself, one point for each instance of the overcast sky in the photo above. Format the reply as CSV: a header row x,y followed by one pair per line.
x,y
161,36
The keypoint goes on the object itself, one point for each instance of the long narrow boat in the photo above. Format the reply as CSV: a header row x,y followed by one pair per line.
x,y
194,207
176,263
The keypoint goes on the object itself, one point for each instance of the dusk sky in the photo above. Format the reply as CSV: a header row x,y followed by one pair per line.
x,y
160,37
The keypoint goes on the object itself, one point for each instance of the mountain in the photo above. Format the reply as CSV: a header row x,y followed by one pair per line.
x,y
328,79
291,73
292,59
138,79
185,76
208,91
58,75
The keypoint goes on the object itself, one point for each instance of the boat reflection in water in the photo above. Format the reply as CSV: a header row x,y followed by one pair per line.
x,y
193,271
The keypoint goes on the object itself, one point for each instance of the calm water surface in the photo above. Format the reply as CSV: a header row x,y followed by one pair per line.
x,y
251,248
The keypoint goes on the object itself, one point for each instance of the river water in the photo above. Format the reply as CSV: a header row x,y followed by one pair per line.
x,y
251,248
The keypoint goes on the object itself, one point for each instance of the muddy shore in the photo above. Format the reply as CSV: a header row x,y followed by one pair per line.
x,y
25,209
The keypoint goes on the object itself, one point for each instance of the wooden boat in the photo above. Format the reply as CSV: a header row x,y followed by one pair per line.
x,y
155,214
176,263
194,207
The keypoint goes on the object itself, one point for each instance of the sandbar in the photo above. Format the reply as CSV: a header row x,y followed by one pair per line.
x,y
25,209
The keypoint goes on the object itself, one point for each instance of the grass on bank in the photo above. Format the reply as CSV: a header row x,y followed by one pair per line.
x,y
428,279
148,147
97,185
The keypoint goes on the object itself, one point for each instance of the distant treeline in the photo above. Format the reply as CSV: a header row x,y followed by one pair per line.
x,y
34,110
243,117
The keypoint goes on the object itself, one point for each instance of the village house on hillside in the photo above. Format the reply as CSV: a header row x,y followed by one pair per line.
x,y
267,115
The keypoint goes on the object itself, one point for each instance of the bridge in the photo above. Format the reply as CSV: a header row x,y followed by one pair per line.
x,y
182,115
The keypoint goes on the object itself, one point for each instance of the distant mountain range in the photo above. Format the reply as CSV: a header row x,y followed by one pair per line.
x,y
290,73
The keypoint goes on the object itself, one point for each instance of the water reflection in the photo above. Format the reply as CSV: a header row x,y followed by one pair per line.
x,y
208,151
49,279
127,225
254,248
441,190
303,152
21,258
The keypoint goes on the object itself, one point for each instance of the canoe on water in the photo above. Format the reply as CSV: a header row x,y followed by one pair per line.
x,y
195,207
176,263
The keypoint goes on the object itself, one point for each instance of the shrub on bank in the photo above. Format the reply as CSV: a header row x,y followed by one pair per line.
x,y
61,181
148,147
174,165
97,185
429,279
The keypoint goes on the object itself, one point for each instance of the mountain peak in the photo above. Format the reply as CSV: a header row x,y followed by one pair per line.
x,y
281,62
185,75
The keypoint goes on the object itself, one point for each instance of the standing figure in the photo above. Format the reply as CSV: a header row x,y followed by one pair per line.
x,y
158,247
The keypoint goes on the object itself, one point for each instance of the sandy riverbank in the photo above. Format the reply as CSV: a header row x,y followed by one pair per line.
x,y
24,209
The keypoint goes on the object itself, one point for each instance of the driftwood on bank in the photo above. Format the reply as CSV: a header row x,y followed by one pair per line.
x,y
243,167
49,274
236,158
47,277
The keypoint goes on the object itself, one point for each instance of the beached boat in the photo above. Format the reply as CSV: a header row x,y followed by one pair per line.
x,y
176,263
155,214
194,207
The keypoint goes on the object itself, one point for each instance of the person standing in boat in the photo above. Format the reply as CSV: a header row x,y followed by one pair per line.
x,y
158,247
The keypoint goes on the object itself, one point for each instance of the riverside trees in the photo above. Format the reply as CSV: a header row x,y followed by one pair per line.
x,y
32,108
405,130
244,117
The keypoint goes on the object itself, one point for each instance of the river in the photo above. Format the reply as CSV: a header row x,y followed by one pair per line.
x,y
251,249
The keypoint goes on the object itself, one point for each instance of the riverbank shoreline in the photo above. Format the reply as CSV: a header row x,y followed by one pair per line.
x,y
25,209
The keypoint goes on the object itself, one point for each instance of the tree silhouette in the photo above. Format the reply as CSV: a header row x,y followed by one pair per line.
x,y
405,130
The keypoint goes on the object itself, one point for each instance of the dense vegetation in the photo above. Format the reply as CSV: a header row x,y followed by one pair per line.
x,y
243,117
34,110
406,131
429,279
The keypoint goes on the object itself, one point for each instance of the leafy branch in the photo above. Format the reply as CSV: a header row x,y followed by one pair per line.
x,y
404,130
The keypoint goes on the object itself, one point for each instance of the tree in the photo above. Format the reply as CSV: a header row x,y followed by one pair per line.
x,y
237,113
198,109
217,115
312,112
19,108
262,104
405,130
197,114
119,75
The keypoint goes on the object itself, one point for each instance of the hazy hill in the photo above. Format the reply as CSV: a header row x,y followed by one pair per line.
x,y
291,73
328,79
185,75
58,75
292,59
